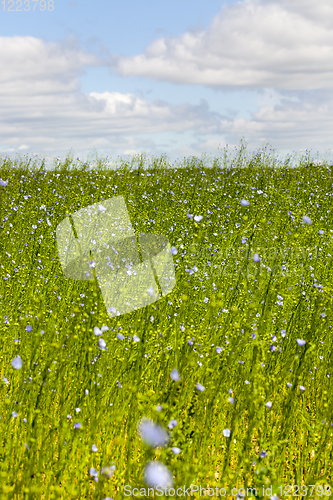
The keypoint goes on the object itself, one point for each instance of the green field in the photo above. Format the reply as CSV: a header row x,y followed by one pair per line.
x,y
247,327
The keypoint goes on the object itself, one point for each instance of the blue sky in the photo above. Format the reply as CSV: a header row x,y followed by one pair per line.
x,y
175,78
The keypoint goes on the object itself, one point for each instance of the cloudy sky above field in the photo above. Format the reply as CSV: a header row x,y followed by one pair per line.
x,y
165,77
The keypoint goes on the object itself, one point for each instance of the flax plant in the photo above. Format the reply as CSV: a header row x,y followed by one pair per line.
x,y
222,383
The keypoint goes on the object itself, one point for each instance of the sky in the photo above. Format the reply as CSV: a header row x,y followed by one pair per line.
x,y
181,79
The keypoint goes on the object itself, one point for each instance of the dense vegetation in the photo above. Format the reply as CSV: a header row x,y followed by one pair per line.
x,y
232,368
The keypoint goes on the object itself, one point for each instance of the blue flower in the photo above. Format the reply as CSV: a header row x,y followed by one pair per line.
x,y
157,474
152,434
17,362
172,424
175,450
175,375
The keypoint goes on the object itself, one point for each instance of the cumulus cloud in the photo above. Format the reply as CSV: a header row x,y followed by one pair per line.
x,y
43,107
281,46
319,11
284,45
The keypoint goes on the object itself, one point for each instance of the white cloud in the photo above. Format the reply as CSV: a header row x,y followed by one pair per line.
x,y
284,48
32,59
249,44
42,105
319,11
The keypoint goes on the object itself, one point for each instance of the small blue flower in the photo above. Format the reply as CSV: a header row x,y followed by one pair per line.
x,y
175,375
175,450
152,434
108,472
94,473
17,362
157,474
172,424
101,344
